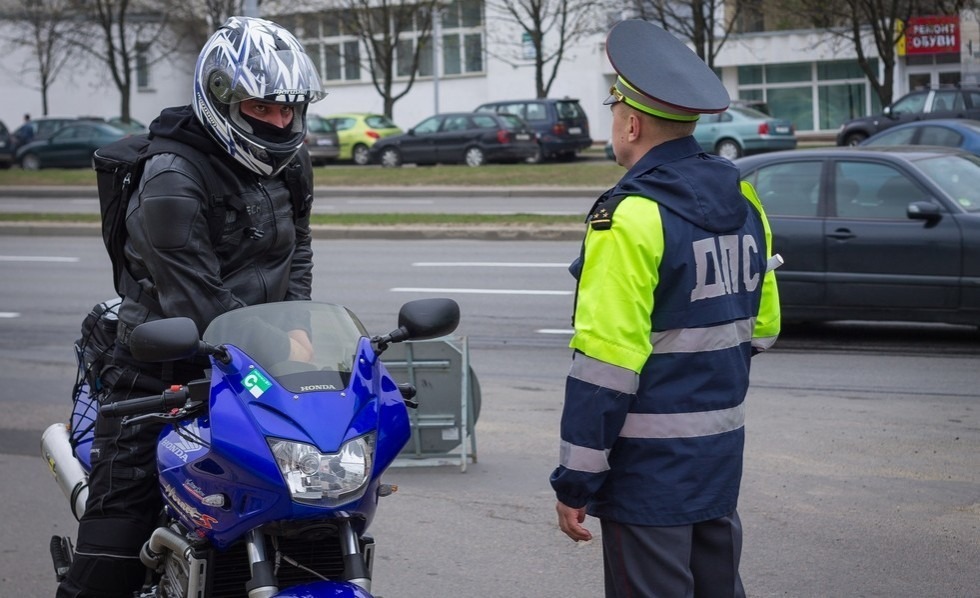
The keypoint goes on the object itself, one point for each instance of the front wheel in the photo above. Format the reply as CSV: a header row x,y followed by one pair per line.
x,y
475,157
727,148
391,157
360,154
30,162
854,138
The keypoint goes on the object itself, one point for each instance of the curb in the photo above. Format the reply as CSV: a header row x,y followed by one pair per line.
x,y
325,232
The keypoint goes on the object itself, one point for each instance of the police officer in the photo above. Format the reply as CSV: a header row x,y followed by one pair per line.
x,y
674,297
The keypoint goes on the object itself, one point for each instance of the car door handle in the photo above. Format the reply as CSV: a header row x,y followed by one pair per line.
x,y
842,234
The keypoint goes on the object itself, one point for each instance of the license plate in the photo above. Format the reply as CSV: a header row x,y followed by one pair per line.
x,y
782,129
574,130
522,137
324,141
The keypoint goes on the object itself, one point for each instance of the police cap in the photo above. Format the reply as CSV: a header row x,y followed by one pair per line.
x,y
660,75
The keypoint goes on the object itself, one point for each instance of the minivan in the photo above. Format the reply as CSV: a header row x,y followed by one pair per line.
x,y
561,126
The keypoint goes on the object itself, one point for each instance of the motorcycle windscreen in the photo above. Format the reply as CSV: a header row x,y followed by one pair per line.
x,y
269,334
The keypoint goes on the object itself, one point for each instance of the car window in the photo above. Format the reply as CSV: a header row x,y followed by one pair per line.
x,y
510,122
747,112
893,137
869,190
974,97
534,112
912,103
317,125
944,101
456,123
429,125
958,176
790,189
68,133
486,108
342,124
568,110
485,121
940,136
707,119
379,121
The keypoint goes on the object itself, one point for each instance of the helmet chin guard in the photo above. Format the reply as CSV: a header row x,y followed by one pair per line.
x,y
250,58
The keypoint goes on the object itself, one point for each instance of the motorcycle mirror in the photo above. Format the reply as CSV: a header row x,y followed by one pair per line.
x,y
428,318
169,339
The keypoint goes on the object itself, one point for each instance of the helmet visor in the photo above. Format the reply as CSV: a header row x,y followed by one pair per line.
x,y
283,76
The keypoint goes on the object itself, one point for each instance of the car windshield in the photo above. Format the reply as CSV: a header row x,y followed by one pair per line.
x,y
958,176
569,110
262,332
379,122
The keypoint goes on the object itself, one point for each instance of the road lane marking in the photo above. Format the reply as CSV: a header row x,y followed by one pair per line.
x,y
478,291
9,314
36,258
490,264
566,331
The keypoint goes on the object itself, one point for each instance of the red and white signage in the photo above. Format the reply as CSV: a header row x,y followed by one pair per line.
x,y
932,35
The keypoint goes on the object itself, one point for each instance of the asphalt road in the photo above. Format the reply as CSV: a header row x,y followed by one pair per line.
x,y
862,473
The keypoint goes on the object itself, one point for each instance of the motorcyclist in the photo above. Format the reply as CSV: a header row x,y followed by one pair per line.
x,y
252,85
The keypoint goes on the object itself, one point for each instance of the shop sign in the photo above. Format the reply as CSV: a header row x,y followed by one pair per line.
x,y
932,35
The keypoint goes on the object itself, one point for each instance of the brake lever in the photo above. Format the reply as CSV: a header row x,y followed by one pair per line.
x,y
175,415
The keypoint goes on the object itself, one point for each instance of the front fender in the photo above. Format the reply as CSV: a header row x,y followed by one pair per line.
x,y
325,589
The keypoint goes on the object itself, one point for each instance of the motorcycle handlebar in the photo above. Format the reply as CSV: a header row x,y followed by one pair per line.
x,y
175,397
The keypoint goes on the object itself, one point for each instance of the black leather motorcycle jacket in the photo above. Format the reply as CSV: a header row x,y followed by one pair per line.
x,y
261,254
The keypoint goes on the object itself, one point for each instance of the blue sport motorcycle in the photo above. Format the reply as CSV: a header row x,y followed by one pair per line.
x,y
270,469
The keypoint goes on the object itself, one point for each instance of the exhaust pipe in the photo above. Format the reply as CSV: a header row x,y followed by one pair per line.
x,y
67,471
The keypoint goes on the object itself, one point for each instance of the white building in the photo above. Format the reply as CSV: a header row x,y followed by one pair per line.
x,y
803,75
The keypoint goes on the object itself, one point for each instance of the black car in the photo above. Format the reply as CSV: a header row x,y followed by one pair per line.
x,y
874,233
459,137
952,102
39,128
6,147
561,125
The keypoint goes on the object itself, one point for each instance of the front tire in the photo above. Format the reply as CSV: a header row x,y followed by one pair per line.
x,y
854,138
360,154
391,157
475,157
728,148
30,162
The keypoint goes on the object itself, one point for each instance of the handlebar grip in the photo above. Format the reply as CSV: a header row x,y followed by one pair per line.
x,y
170,399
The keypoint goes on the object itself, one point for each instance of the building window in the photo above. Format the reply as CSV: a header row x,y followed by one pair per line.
x,y
815,96
142,66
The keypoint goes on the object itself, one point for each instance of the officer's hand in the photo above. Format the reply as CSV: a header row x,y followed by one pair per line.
x,y
570,521
300,346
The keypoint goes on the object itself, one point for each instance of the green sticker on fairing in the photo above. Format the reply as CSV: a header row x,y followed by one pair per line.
x,y
256,383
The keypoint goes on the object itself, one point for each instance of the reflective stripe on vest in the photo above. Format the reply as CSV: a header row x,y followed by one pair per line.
x,y
697,340
683,425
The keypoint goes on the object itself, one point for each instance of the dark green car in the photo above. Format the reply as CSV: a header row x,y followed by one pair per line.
x,y
71,146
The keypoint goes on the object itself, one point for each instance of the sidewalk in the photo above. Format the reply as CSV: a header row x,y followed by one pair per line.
x,y
359,191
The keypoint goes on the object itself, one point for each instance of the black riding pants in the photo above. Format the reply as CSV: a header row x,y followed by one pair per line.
x,y
124,502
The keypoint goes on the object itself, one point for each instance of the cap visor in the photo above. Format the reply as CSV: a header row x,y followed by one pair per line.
x,y
610,100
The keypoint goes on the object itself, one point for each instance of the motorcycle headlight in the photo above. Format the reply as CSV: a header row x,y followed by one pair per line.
x,y
325,480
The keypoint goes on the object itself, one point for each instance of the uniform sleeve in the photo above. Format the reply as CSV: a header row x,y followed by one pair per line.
x,y
611,342
768,320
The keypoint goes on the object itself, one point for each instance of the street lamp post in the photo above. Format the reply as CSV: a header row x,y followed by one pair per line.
x,y
436,53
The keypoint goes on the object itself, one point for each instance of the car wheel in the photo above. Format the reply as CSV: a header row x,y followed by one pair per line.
x,y
360,154
30,162
391,157
854,138
474,157
727,148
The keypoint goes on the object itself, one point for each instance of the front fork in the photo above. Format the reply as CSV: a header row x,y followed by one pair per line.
x,y
357,562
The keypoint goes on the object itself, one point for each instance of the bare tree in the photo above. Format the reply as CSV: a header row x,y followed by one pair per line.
x,y
41,26
706,24
119,34
395,35
549,28
861,22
